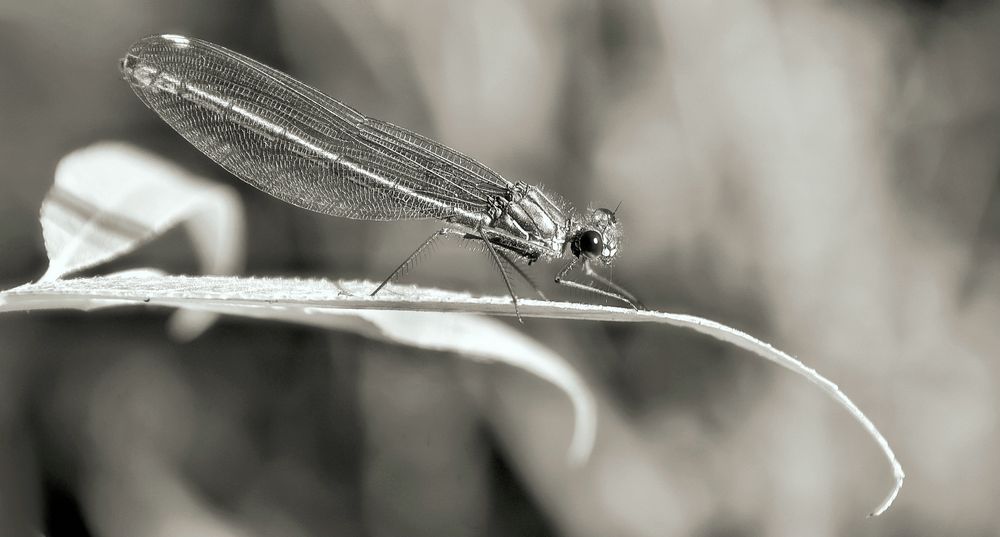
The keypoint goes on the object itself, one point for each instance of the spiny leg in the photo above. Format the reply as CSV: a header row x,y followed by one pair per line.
x,y
562,280
589,271
511,262
413,258
503,272
407,263
523,274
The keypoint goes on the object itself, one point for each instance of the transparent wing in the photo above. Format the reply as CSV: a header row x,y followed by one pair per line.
x,y
297,144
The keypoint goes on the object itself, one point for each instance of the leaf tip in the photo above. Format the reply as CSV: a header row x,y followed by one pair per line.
x,y
899,475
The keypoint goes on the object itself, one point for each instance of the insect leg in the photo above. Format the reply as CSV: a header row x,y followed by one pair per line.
x,y
523,274
589,270
503,255
503,271
408,263
562,280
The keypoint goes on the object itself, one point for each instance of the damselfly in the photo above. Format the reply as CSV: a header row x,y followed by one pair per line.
x,y
310,150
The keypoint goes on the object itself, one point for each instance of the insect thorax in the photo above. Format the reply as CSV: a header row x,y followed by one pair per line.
x,y
537,223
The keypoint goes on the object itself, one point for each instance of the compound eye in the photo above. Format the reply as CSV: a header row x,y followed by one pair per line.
x,y
591,243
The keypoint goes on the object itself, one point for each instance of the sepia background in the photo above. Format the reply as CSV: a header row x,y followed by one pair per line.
x,y
823,175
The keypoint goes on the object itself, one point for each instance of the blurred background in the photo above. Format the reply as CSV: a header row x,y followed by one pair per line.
x,y
823,175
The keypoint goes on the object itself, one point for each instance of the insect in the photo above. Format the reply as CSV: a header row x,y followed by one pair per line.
x,y
308,149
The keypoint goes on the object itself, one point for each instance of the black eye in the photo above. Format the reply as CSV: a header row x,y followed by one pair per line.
x,y
591,243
